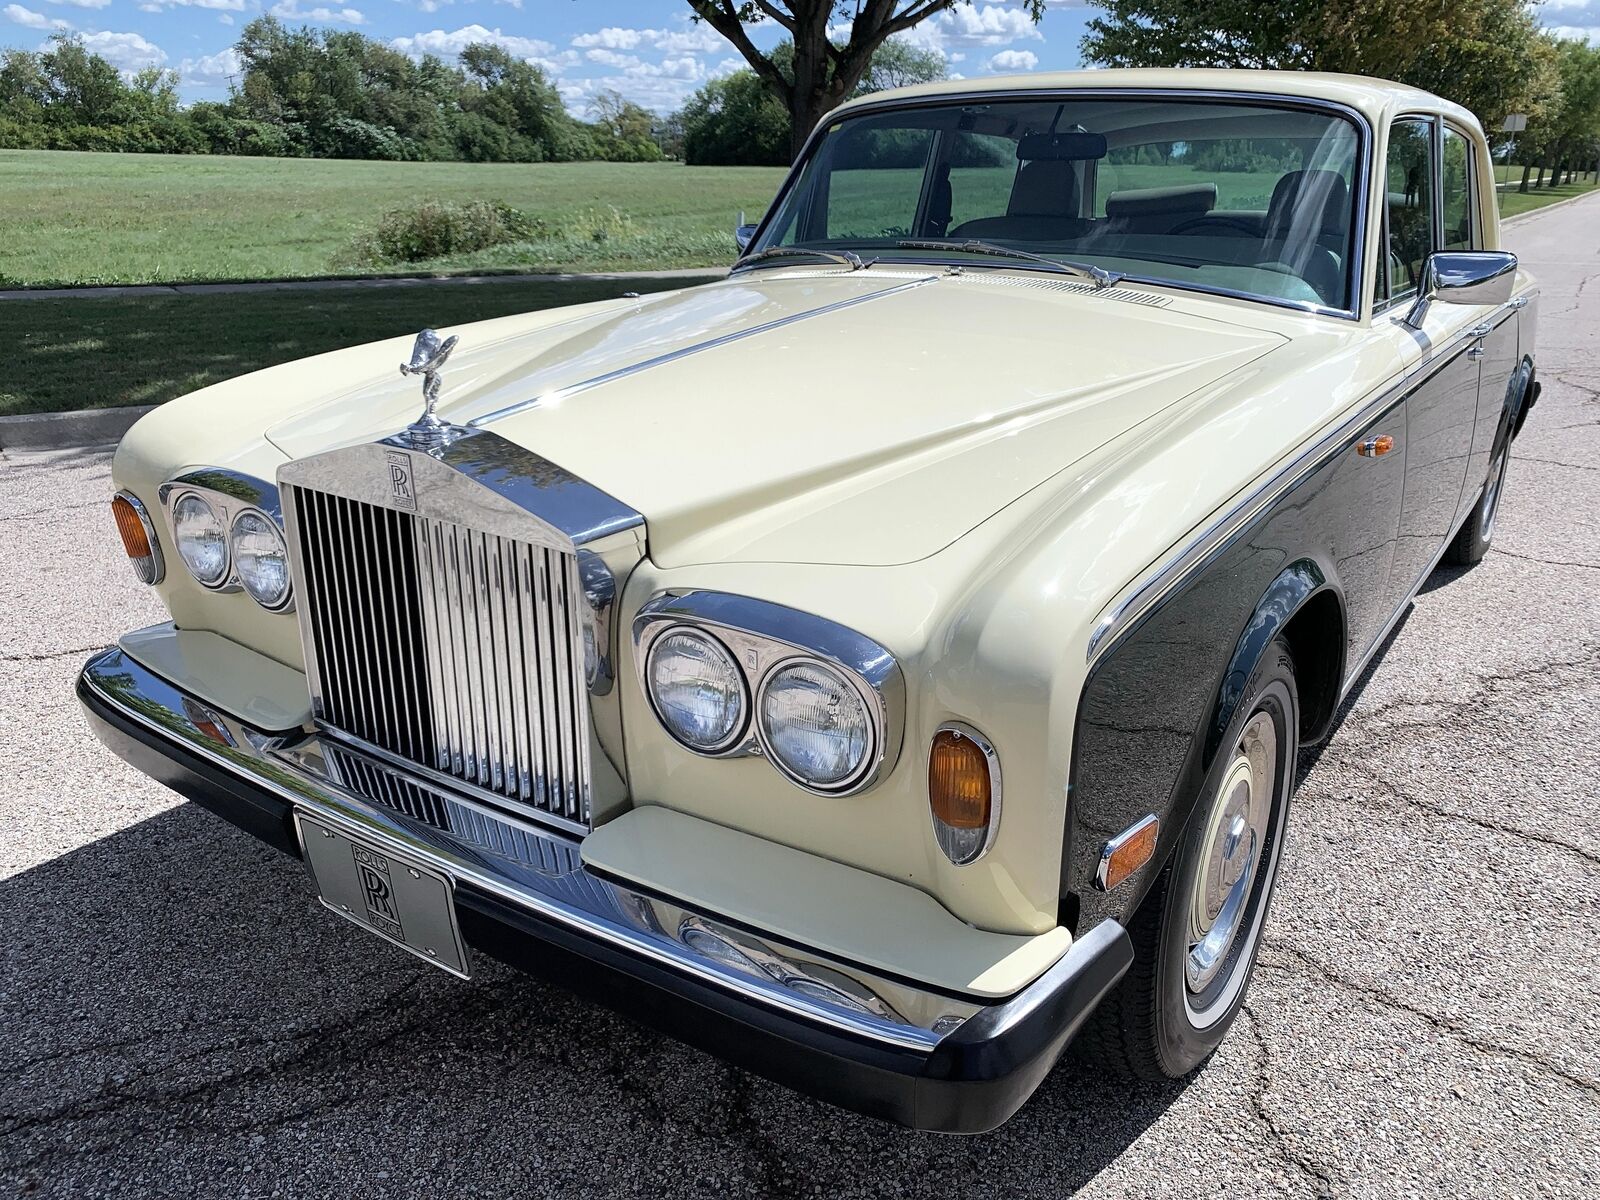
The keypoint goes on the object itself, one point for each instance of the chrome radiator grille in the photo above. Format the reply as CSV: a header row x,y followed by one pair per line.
x,y
459,651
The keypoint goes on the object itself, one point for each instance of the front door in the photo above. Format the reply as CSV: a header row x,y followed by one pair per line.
x,y
1441,410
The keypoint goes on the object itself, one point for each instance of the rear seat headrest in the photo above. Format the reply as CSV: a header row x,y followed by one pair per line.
x,y
1189,200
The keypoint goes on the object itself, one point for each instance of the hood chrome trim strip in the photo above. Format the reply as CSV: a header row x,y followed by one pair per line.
x,y
521,406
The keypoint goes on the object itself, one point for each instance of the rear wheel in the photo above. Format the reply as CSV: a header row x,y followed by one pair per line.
x,y
1473,538
1197,933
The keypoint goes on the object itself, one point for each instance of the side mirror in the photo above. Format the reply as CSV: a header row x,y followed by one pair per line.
x,y
743,235
1464,277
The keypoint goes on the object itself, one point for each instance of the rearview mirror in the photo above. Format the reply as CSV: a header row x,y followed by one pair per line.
x,y
743,234
1071,146
1464,277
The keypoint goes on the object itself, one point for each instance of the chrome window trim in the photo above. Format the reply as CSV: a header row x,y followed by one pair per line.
x,y
1366,140
1188,555
583,385
763,637
158,562
729,745
996,788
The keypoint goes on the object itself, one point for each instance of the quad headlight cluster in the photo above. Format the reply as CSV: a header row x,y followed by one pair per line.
x,y
730,676
228,530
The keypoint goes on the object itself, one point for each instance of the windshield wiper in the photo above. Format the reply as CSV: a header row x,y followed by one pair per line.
x,y
846,258
1098,275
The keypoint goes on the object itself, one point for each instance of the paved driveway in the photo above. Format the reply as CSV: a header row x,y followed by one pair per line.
x,y
177,1017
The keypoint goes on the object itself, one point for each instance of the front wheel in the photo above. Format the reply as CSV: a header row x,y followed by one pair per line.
x,y
1196,935
1472,540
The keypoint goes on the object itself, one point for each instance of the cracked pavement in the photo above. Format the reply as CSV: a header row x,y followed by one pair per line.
x,y
181,1019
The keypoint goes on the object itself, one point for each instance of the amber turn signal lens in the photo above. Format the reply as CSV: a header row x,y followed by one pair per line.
x,y
1127,852
133,523
134,539
958,781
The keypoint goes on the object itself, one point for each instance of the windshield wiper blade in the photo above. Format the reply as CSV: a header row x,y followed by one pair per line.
x,y
848,258
1099,276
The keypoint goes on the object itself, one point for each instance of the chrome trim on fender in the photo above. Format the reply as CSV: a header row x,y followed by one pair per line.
x,y
158,564
584,385
1163,578
1109,850
763,636
230,494
532,869
991,756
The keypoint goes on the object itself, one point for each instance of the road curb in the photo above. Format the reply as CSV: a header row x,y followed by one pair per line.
x,y
1544,208
61,430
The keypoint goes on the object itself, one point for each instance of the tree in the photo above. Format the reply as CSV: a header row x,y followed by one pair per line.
x,y
1483,54
735,121
899,63
825,72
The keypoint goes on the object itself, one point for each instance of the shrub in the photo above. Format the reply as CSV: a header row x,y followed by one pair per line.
x,y
434,229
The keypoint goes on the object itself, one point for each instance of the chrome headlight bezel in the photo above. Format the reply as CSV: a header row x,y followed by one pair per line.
x,y
274,529
765,638
741,715
230,495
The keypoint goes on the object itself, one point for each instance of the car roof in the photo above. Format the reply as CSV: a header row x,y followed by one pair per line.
x,y
1379,99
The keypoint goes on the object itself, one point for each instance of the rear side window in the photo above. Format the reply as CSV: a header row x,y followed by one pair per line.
x,y
1409,176
1456,192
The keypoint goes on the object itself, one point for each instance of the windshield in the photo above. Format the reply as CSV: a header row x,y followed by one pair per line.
x,y
1231,196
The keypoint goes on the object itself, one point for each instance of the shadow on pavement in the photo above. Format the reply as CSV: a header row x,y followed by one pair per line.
x,y
180,1012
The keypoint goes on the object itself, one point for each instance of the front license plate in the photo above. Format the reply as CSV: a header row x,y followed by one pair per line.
x,y
385,893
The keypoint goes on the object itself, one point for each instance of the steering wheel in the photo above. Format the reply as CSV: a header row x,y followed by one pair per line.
x,y
1215,223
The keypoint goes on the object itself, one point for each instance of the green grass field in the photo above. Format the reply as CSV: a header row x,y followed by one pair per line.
x,y
1513,202
107,352
78,218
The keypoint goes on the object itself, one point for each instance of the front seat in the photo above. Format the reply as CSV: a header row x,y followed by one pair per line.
x,y
1043,206
1308,228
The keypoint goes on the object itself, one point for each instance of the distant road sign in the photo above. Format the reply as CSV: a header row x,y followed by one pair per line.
x,y
1515,123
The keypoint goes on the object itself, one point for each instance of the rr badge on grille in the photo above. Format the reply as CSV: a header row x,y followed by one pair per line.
x,y
402,486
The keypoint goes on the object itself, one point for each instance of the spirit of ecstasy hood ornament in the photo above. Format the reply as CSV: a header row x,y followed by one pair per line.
x,y
428,355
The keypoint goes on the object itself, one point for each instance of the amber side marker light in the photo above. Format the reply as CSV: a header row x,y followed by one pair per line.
x,y
1127,852
963,792
138,538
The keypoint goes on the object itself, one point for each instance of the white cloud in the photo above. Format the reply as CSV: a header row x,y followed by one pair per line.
x,y
125,51
221,5
210,71
695,39
290,10
225,19
968,25
83,3
29,19
1014,60
448,45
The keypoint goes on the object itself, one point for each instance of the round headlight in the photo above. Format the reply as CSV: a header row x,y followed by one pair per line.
x,y
261,559
202,542
815,725
697,689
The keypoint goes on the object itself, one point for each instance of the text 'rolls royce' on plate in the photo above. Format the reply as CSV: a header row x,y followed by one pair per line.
x,y
885,664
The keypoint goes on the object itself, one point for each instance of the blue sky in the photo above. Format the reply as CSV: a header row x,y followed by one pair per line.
x,y
646,49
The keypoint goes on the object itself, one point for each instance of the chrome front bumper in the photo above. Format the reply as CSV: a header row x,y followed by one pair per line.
x,y
879,1045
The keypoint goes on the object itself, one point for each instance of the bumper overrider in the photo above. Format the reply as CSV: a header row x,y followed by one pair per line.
x,y
878,1045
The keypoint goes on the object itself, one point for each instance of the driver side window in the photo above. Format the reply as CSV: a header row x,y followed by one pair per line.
x,y
1410,184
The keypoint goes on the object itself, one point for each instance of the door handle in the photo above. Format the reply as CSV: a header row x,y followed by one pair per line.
x,y
1376,447
1476,351
1478,331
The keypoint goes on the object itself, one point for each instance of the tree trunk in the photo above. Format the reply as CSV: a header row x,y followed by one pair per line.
x,y
1526,171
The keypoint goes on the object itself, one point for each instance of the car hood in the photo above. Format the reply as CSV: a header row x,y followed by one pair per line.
x,y
812,416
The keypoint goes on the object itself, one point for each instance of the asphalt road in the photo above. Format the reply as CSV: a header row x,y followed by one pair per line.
x,y
177,1017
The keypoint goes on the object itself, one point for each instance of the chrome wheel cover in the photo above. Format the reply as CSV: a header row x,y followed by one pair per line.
x,y
1491,494
1237,833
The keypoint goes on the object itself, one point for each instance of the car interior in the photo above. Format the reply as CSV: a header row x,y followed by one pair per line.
x,y
1227,196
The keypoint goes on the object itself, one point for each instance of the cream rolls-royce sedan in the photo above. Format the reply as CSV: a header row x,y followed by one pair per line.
x,y
888,663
